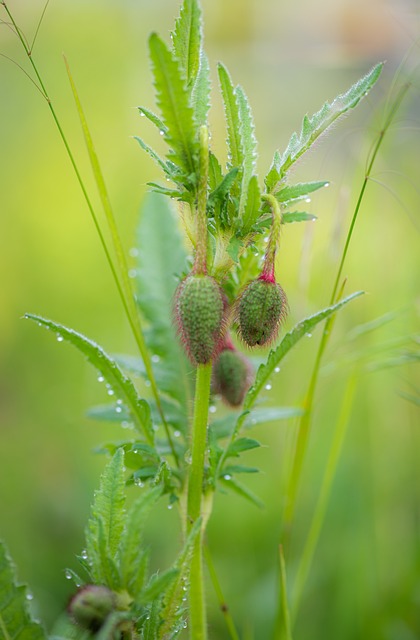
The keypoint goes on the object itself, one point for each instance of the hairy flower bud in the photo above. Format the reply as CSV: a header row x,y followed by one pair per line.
x,y
260,310
231,376
91,606
200,310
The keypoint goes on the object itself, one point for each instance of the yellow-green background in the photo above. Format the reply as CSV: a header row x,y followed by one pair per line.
x,y
290,57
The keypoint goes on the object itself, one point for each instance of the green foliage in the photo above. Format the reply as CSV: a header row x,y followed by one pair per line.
x,y
314,126
16,621
119,383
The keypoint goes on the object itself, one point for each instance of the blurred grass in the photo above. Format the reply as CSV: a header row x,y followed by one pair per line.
x,y
366,578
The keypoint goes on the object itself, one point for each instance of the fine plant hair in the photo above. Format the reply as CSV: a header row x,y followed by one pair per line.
x,y
194,335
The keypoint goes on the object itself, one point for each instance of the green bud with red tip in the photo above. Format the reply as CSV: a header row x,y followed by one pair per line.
x,y
260,310
232,375
91,605
200,311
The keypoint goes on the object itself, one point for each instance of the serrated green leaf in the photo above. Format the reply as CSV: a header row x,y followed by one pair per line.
x,y
153,118
173,100
223,188
109,574
186,39
161,261
16,621
252,206
230,469
297,216
314,126
240,445
290,339
157,586
299,190
215,172
175,593
242,491
234,247
107,519
200,95
161,163
121,385
232,116
152,623
248,144
130,551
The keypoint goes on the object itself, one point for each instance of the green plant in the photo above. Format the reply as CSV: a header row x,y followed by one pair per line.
x,y
226,213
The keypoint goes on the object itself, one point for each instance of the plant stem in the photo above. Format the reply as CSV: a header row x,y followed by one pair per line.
x,y
305,422
198,628
273,241
283,630
200,262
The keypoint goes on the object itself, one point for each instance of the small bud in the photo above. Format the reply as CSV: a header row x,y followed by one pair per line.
x,y
200,310
260,310
91,606
231,376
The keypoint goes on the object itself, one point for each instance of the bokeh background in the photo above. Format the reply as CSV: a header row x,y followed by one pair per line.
x,y
290,57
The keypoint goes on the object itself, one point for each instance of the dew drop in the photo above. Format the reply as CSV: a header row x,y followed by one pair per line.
x,y
212,408
142,114
268,386
84,554
148,383
67,574
110,392
132,273
101,378
125,424
134,252
266,239
177,434
29,596
307,199
119,401
162,133
309,335
118,409
227,476
170,506
138,482
155,358
277,369
59,338
327,184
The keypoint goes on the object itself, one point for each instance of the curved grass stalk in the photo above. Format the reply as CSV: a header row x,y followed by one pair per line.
x,y
119,273
305,421
230,625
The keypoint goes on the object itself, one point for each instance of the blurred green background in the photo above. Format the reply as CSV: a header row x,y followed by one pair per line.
x,y
290,57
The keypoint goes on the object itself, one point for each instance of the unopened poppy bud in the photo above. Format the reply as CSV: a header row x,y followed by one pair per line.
x,y
260,309
91,606
200,310
231,376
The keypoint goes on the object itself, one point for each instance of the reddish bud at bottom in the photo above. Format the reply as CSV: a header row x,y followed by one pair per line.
x,y
231,376
91,606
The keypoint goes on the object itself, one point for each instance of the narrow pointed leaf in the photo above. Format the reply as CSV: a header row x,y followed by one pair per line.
x,y
240,445
248,144
242,491
153,118
299,190
233,121
223,188
161,163
121,385
297,216
173,101
252,207
16,622
200,95
157,586
186,39
107,519
289,341
314,126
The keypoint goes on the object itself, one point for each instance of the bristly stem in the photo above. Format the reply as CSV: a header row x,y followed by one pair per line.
x,y
305,421
198,625
200,262
273,240
121,280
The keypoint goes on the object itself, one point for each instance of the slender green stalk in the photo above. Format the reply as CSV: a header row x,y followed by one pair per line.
x,y
273,241
121,280
198,626
305,422
283,630
219,593
200,262
323,499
